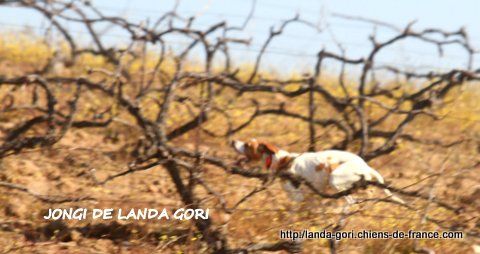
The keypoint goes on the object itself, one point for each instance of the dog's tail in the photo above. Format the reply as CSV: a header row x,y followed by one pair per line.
x,y
379,178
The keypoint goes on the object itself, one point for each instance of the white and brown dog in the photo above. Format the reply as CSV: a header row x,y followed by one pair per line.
x,y
339,169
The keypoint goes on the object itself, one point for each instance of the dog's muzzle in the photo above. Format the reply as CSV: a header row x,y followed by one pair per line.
x,y
239,146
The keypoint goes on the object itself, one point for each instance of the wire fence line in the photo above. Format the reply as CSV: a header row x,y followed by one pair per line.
x,y
284,52
296,37
281,51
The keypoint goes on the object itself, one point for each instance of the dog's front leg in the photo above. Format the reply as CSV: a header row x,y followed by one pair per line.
x,y
269,178
294,193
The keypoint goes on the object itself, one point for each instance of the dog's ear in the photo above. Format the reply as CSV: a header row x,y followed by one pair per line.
x,y
267,148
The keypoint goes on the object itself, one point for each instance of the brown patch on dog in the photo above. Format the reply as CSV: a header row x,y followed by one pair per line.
x,y
324,167
337,164
267,148
328,167
334,166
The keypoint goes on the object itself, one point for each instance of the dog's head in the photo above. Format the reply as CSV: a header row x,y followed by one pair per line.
x,y
255,150
250,149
